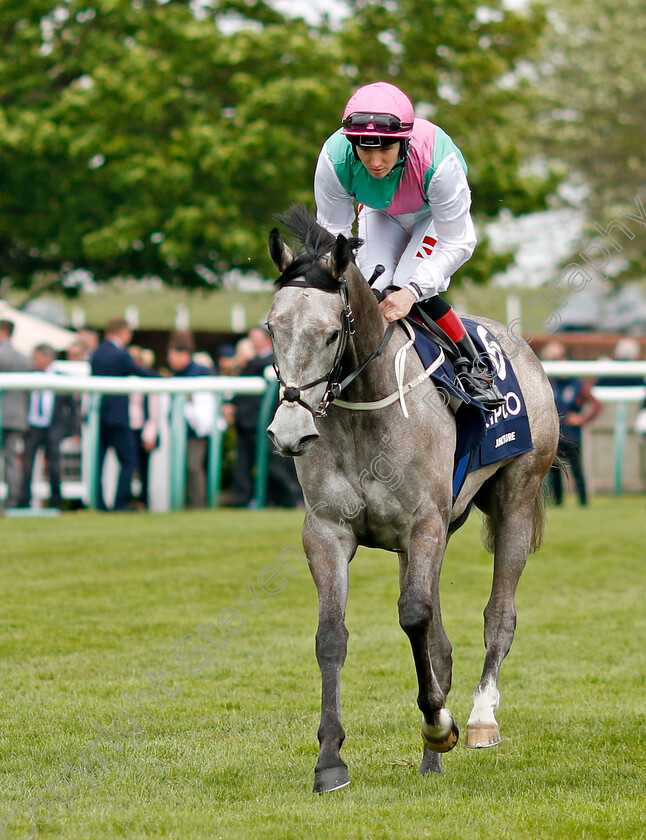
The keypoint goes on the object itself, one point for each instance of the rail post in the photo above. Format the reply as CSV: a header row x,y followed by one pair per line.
x,y
93,432
620,434
215,455
262,443
178,435
2,474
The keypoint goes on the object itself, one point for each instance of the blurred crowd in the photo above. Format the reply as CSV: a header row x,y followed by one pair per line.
x,y
41,419
129,425
577,407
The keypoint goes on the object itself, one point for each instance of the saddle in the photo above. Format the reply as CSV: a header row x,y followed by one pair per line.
x,y
484,436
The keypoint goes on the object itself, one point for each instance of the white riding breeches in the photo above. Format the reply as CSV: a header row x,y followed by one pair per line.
x,y
398,243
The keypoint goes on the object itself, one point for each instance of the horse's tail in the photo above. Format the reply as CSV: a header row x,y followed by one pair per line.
x,y
539,520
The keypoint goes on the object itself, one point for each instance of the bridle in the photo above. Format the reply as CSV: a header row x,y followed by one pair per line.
x,y
334,383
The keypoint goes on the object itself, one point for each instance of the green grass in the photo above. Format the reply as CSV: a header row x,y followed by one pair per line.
x,y
90,604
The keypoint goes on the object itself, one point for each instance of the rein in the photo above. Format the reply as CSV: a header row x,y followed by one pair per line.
x,y
335,385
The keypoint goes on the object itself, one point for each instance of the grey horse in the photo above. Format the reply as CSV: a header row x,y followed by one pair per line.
x,y
383,478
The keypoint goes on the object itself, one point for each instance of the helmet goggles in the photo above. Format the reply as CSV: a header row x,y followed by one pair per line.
x,y
364,122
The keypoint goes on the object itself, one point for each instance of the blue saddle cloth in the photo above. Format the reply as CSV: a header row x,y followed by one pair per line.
x,y
483,437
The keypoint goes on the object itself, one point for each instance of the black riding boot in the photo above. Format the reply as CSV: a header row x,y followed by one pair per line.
x,y
474,376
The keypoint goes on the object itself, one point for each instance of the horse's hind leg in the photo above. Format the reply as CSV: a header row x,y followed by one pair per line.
x,y
511,511
328,560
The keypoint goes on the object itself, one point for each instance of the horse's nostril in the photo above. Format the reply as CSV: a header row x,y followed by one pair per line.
x,y
305,442
300,447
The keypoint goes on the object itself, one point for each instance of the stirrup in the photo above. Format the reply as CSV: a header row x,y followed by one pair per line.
x,y
478,384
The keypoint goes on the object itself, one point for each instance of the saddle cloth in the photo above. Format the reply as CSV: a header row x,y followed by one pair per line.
x,y
483,437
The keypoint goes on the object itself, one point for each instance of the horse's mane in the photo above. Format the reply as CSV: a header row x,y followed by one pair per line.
x,y
318,243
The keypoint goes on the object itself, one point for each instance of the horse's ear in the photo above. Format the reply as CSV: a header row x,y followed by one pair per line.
x,y
281,254
340,256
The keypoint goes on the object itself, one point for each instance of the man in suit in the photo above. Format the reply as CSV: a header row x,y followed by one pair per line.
x,y
111,358
283,489
51,418
576,407
14,414
199,412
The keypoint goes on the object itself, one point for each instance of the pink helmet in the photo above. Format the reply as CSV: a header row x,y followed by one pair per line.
x,y
379,110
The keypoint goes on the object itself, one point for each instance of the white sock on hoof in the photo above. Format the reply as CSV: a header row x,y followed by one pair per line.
x,y
485,703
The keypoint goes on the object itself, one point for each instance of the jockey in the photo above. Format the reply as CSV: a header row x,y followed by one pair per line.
x,y
414,218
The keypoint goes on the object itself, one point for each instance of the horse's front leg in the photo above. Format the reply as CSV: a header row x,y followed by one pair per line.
x,y
329,550
421,619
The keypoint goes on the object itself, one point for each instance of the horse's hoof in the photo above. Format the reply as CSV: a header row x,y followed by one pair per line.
x,y
480,735
443,736
431,762
331,778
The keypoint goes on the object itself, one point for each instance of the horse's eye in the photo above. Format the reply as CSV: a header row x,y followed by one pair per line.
x,y
334,337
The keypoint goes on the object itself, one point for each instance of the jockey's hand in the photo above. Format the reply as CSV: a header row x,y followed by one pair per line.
x,y
397,305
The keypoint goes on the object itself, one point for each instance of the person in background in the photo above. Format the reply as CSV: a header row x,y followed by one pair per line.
x,y
576,407
200,416
143,413
627,349
76,352
226,354
243,411
201,357
14,414
234,359
52,417
89,338
111,358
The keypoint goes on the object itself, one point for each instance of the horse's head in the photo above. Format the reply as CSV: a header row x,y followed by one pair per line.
x,y
310,323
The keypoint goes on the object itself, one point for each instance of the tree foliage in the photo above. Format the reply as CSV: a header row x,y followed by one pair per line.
x,y
138,139
143,137
594,116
